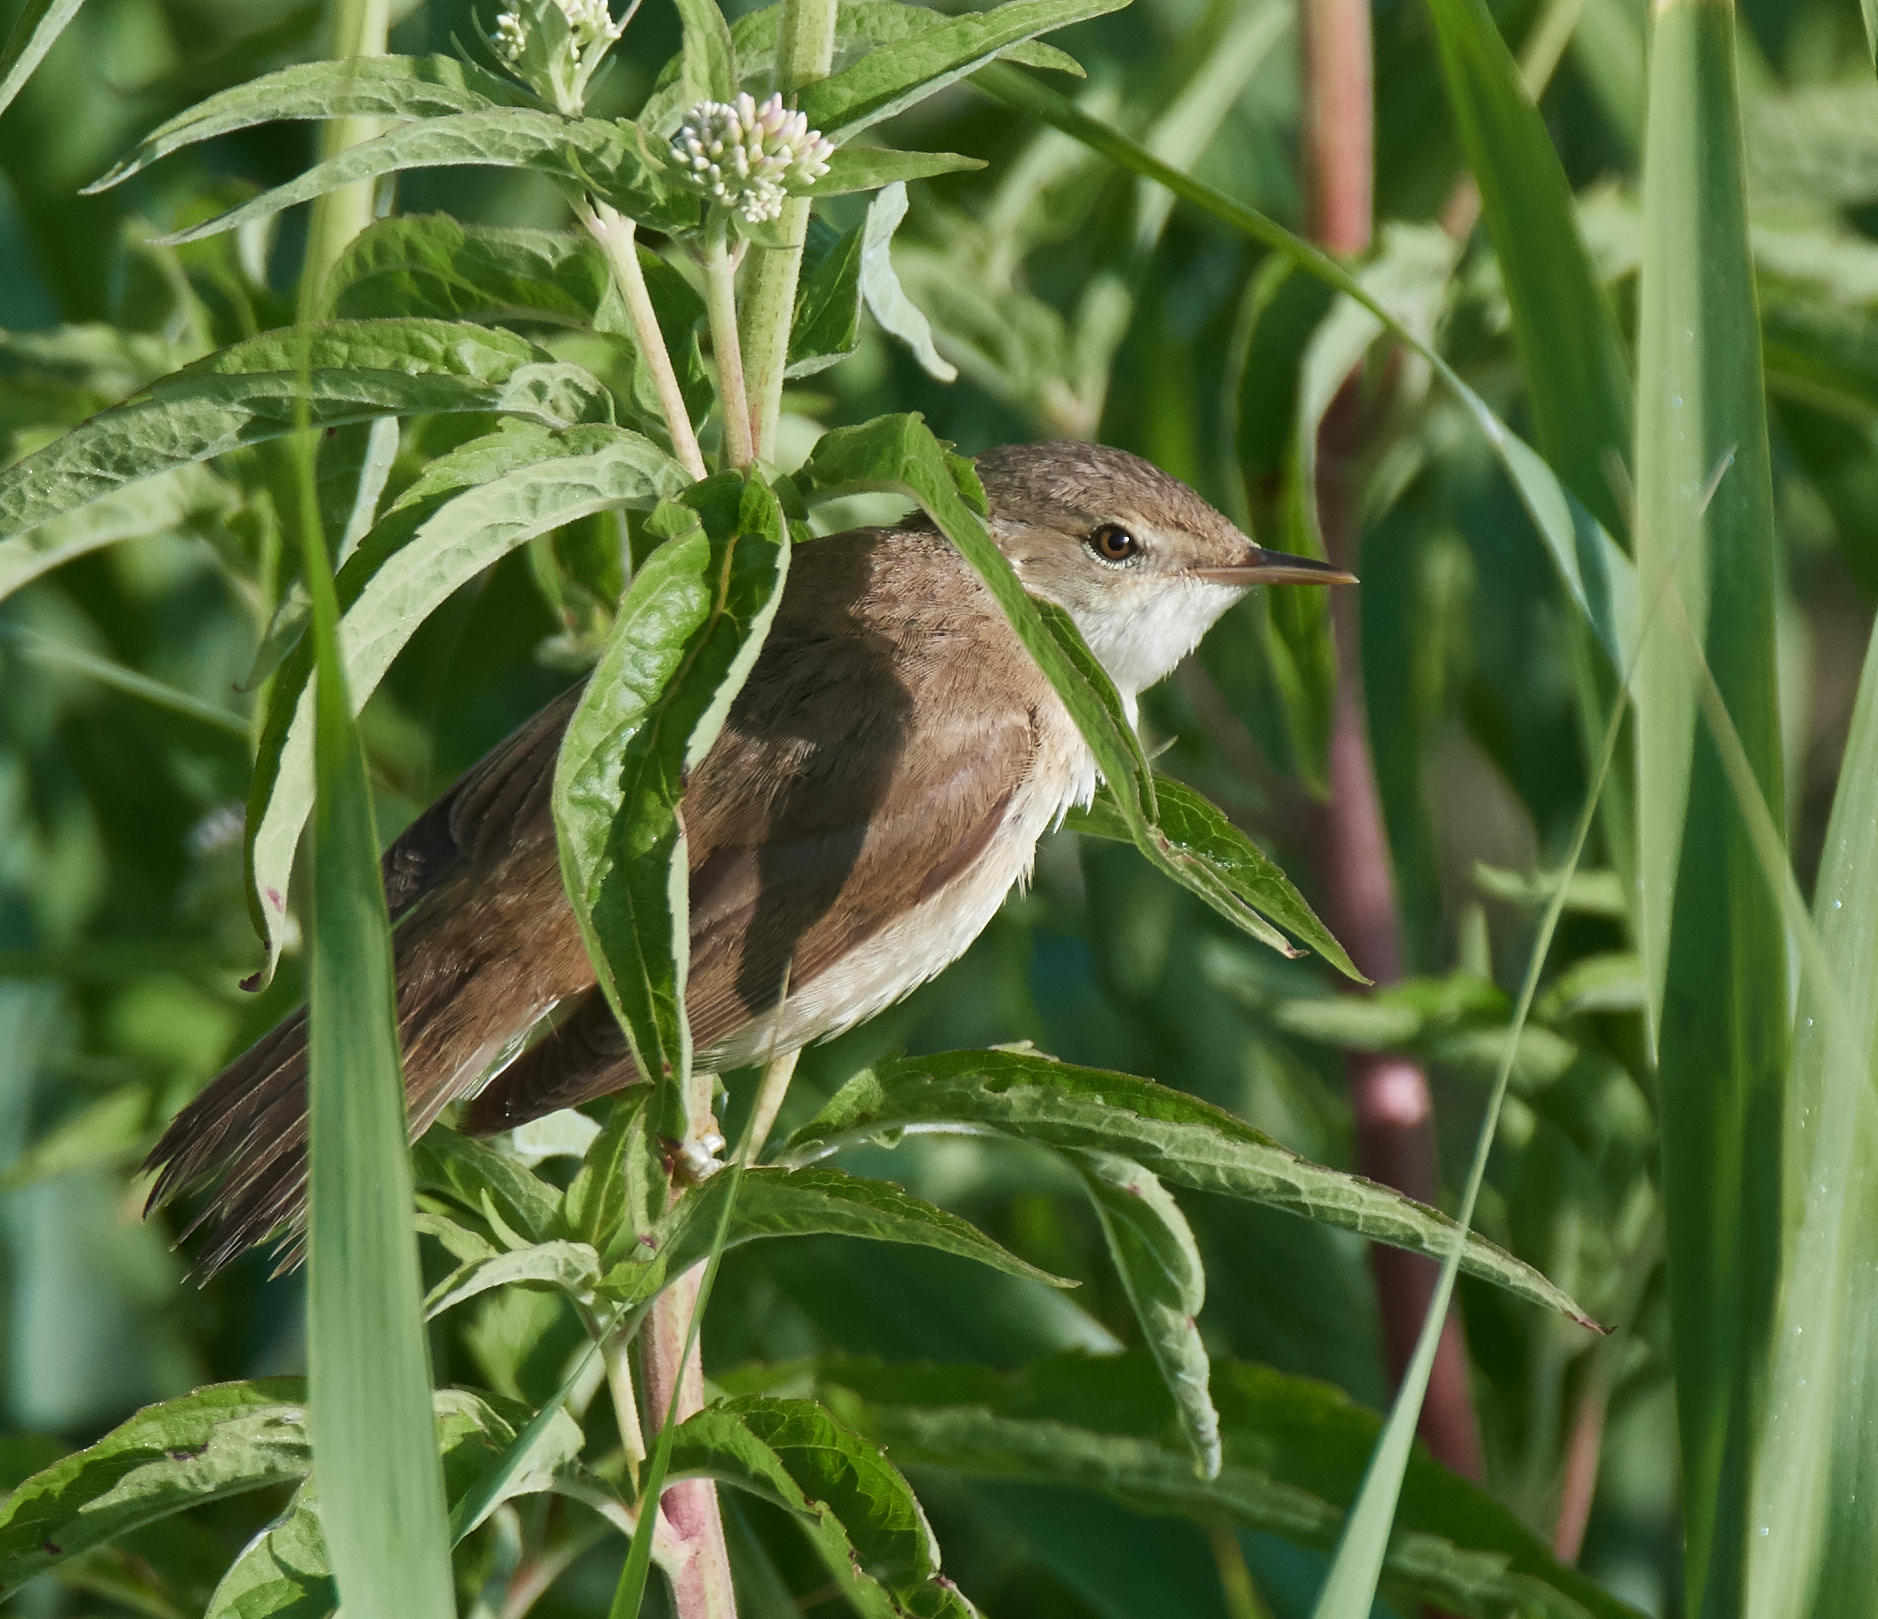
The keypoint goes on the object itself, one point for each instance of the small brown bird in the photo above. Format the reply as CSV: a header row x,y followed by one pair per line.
x,y
879,786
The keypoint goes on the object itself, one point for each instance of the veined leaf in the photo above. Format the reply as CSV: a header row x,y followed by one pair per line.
x,y
480,1178
402,87
161,505
797,1203
688,631
893,77
247,393
1153,1249
1294,1454
1236,872
572,1267
1176,1136
856,1507
710,58
580,150
219,1440
467,511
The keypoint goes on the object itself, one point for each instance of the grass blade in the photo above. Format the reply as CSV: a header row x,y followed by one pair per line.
x,y
1815,1467
1709,925
38,26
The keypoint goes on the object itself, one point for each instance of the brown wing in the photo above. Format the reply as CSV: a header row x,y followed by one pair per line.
x,y
869,760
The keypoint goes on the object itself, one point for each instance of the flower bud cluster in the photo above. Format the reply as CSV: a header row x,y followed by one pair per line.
x,y
747,158
554,46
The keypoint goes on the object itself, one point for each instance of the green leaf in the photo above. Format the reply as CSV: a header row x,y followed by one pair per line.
x,y
1709,923
710,58
853,1502
571,1267
827,324
483,1179
688,631
402,87
369,1386
219,1440
864,168
797,1203
164,504
1294,1453
886,299
893,77
39,23
468,510
580,150
247,393
285,1572
1821,1436
1236,872
432,265
1153,1249
620,1191
1173,1135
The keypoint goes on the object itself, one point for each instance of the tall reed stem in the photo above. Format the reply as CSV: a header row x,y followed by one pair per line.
x,y
1393,1110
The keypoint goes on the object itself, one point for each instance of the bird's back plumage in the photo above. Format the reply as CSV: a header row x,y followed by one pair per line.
x,y
880,782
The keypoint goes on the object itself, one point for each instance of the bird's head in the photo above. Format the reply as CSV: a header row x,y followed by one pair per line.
x,y
1140,562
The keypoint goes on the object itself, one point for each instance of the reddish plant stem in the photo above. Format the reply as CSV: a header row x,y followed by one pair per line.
x,y
1392,1110
1584,1445
701,1586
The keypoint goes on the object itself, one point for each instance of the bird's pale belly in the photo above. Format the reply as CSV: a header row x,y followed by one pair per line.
x,y
934,934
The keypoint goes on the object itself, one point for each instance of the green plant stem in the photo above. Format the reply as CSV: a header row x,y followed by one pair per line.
x,y
805,52
720,303
619,1381
360,28
616,235
777,1073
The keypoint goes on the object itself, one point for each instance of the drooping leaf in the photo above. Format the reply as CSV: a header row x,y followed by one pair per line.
x,y
1294,1453
893,77
1236,872
246,394
468,510
219,1440
572,1267
1153,1249
688,631
886,299
481,1178
857,1509
1174,1135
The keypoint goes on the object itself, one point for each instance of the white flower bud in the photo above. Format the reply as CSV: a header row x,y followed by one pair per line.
x,y
748,157
511,38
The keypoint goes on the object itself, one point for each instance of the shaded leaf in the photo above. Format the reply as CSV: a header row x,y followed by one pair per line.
x,y
886,299
1174,1135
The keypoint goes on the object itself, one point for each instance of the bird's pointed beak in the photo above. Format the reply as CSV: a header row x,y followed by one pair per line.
x,y
1262,567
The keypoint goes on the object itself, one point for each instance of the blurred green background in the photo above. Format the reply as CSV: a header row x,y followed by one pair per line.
x,y
1073,304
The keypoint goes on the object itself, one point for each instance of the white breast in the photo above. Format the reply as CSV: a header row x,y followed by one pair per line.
x,y
935,933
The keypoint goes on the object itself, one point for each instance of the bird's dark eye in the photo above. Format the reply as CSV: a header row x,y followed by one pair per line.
x,y
1113,543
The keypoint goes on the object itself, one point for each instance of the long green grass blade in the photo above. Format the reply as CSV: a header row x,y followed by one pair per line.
x,y
370,1412
33,34
1818,1465
1709,925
